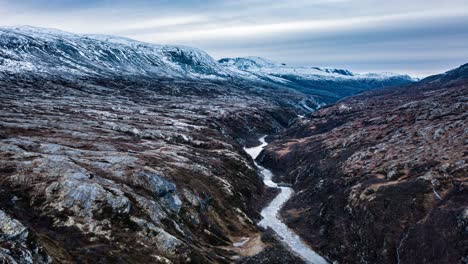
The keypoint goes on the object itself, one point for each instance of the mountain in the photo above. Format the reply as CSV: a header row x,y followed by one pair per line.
x,y
381,177
326,85
49,52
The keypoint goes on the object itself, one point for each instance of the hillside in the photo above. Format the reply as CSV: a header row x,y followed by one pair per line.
x,y
381,177
326,85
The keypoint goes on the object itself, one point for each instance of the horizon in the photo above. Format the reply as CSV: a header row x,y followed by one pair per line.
x,y
418,40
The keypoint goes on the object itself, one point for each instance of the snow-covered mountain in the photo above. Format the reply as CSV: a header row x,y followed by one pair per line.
x,y
41,50
49,52
262,66
329,84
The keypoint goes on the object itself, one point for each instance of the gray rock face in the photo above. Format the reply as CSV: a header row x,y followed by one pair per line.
x,y
84,198
16,244
11,228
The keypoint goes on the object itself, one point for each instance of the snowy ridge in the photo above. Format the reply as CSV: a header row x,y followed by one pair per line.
x,y
267,68
26,48
325,85
52,51
248,63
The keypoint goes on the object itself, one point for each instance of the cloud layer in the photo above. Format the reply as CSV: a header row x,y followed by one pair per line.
x,y
416,37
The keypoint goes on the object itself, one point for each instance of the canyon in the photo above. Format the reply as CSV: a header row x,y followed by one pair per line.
x,y
114,150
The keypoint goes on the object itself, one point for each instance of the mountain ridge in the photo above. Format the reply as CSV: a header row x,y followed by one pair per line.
x,y
324,84
252,62
50,52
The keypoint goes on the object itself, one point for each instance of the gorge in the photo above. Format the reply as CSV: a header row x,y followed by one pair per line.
x,y
119,151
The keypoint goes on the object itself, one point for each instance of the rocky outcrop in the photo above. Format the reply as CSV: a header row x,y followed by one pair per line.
x,y
17,244
381,177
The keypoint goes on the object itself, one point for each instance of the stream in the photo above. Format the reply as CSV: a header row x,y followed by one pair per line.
x,y
271,216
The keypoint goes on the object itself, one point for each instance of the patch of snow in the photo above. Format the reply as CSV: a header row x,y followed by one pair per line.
x,y
241,242
344,107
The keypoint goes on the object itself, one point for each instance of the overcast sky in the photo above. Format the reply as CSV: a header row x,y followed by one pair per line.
x,y
419,37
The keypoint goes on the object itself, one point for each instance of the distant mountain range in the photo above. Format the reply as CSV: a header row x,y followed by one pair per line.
x,y
48,52
325,84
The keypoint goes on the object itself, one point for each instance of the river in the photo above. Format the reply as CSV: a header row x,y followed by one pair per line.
x,y
271,217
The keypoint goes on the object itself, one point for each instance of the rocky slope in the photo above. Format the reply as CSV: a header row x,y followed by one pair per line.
x,y
115,172
382,177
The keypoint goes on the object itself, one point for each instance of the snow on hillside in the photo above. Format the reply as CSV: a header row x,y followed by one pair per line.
x,y
266,68
47,50
325,85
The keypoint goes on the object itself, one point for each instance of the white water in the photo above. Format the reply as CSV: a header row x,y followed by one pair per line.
x,y
271,217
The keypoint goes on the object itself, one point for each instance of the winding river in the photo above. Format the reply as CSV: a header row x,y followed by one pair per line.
x,y
271,217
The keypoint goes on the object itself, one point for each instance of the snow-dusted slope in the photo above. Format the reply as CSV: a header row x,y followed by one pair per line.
x,y
261,66
51,51
329,84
